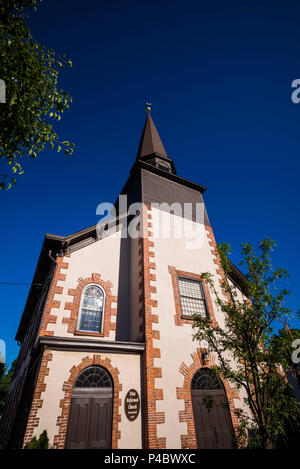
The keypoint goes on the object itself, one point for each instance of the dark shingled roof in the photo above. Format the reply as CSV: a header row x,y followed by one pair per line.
x,y
150,142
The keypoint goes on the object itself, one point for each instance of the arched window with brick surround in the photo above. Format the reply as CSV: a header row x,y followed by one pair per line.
x,y
91,311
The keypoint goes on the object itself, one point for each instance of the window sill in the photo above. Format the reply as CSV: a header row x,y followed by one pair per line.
x,y
92,334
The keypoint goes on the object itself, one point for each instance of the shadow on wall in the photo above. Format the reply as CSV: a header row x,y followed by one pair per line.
x,y
123,316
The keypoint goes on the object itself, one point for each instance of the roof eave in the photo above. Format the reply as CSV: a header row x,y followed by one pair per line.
x,y
59,245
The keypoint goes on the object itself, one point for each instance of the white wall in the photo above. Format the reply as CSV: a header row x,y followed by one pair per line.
x,y
176,342
102,257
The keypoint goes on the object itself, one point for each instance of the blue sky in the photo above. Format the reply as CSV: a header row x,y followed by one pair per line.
x,y
219,76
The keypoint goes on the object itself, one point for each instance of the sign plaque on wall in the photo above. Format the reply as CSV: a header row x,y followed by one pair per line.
x,y
132,404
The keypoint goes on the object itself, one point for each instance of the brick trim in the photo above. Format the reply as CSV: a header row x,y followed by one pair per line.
x,y
52,303
216,259
178,317
37,402
73,306
65,403
188,440
153,418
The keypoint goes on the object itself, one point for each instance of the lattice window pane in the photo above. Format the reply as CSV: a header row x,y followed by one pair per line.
x,y
191,306
190,288
93,377
92,309
205,379
192,297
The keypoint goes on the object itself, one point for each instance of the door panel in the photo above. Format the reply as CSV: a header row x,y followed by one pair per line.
x,y
90,423
204,433
78,423
100,424
221,423
212,425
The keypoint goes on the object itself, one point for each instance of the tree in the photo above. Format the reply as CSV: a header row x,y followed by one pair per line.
x,y
5,380
287,341
39,443
33,101
246,353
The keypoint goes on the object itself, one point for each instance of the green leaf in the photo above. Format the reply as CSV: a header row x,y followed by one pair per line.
x,y
31,73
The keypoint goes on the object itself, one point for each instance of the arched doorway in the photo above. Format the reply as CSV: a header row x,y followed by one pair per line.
x,y
212,419
90,418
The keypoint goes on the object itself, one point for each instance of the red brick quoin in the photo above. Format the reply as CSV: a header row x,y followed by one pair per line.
x,y
151,318
52,304
37,402
65,403
216,259
188,441
74,306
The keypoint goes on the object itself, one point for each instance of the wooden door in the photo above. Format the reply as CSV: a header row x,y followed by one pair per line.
x,y
212,420
90,417
100,423
203,427
221,422
90,423
78,426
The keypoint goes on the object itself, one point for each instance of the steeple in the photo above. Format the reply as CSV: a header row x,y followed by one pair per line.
x,y
151,149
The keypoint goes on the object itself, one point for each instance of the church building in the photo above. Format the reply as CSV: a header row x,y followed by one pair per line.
x,y
107,357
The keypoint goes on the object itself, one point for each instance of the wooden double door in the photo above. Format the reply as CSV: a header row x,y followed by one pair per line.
x,y
90,419
212,419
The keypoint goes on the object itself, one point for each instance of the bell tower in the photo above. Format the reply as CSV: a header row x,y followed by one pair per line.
x,y
151,149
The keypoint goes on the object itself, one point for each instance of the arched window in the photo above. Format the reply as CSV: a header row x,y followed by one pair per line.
x,y
93,377
205,379
91,309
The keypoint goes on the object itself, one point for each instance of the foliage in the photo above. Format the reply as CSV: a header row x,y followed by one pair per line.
x,y
283,342
41,443
5,380
247,355
33,101
208,402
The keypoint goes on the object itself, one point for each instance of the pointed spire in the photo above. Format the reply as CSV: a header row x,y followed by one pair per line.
x,y
150,142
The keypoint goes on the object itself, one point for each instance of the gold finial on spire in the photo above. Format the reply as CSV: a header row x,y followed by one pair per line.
x,y
148,107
